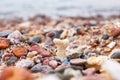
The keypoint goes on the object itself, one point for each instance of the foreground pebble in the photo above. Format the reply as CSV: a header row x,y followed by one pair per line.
x,y
14,73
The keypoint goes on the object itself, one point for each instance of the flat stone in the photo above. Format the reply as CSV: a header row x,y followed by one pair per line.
x,y
5,33
78,61
19,51
4,43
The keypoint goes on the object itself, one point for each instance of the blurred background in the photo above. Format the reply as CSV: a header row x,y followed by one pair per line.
x,y
27,8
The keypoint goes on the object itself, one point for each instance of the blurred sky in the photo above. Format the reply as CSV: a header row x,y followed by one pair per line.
x,y
58,7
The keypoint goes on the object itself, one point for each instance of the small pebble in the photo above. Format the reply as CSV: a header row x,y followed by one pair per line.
x,y
105,36
25,63
41,51
78,61
5,33
19,51
115,54
40,68
4,43
111,44
15,37
53,63
35,39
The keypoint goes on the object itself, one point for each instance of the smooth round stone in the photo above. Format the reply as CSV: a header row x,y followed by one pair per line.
x,y
115,54
77,61
5,33
35,39
105,36
11,61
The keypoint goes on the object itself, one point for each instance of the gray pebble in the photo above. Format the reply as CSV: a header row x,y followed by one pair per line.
x,y
5,33
105,36
35,39
40,68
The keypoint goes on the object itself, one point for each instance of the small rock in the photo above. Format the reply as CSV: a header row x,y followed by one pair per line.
x,y
105,36
25,63
89,71
53,63
4,43
14,73
31,54
66,61
37,59
78,61
115,54
15,37
35,39
73,52
111,44
5,33
115,32
40,50
19,51
11,61
40,68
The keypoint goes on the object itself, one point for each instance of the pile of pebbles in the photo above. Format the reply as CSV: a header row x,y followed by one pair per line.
x,y
69,48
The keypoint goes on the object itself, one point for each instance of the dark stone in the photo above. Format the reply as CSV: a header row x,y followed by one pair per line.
x,y
115,55
11,61
35,39
105,36
5,33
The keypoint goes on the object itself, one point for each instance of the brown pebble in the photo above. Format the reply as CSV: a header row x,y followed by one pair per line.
x,y
19,51
14,73
115,32
4,43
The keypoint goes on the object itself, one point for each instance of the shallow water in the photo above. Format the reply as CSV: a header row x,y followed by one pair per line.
x,y
27,8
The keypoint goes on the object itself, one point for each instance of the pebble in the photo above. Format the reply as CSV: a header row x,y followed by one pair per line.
x,y
105,36
66,61
31,54
78,61
4,43
35,39
19,51
40,50
11,61
89,71
40,68
115,32
25,63
15,73
15,37
5,33
115,54
53,63
111,44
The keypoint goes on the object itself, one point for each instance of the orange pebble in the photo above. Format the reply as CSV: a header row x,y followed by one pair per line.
x,y
14,73
19,51
4,43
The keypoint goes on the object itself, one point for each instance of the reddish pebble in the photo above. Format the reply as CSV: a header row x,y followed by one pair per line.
x,y
4,43
115,32
40,50
19,51
14,73
62,66
53,63
89,71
